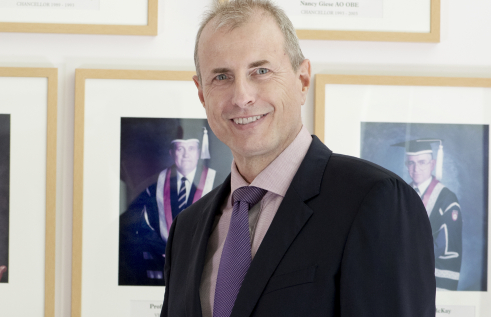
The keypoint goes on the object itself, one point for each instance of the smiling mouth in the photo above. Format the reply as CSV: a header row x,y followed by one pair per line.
x,y
247,120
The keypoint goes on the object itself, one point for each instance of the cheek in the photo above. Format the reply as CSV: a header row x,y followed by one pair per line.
x,y
212,121
215,114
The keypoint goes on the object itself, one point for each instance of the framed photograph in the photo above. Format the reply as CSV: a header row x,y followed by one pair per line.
x,y
28,190
124,17
143,152
366,20
433,133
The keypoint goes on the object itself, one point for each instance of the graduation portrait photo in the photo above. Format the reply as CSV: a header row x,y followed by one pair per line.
x,y
166,165
4,195
447,165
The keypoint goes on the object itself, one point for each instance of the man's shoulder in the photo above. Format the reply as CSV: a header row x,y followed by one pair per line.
x,y
354,178
355,168
341,174
344,165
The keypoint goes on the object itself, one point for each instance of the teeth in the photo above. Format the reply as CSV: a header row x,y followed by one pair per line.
x,y
246,120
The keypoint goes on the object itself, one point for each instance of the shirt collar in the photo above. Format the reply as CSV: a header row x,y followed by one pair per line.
x,y
423,186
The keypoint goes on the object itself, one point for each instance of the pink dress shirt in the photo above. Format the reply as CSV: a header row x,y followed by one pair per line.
x,y
276,179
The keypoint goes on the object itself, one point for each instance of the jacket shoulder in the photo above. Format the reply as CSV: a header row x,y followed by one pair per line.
x,y
356,179
351,167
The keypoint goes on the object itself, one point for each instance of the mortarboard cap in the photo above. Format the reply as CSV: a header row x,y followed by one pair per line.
x,y
423,146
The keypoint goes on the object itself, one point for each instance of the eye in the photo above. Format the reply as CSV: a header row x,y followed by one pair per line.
x,y
221,77
262,71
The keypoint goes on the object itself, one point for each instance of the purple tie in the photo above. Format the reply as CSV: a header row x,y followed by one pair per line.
x,y
236,255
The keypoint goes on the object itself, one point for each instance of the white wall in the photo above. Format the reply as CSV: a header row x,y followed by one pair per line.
x,y
464,51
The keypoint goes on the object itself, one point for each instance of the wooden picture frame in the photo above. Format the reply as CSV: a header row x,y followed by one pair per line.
x,y
150,29
346,35
368,117
131,93
47,176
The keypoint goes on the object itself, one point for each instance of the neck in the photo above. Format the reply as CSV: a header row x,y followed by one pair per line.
x,y
250,166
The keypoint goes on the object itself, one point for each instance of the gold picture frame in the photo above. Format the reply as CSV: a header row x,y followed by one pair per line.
x,y
115,77
51,74
432,37
150,29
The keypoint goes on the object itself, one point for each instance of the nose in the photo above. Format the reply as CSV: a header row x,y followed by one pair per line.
x,y
244,92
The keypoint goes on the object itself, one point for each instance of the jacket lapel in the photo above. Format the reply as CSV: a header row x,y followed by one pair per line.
x,y
199,243
290,218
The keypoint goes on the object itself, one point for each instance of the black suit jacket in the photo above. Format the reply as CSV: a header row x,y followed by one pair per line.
x,y
349,239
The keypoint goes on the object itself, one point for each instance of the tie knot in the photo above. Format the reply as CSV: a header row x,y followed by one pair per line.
x,y
250,194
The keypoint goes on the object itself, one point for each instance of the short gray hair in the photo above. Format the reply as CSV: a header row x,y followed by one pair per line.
x,y
234,13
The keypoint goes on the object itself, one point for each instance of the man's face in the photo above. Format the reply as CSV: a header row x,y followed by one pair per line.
x,y
186,155
251,94
420,167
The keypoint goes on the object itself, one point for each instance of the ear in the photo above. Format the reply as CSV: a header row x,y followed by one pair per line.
x,y
200,89
304,73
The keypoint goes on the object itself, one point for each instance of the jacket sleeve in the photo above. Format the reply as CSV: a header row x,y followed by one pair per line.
x,y
167,268
388,263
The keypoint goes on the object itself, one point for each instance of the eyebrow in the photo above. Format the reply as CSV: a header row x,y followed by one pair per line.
x,y
220,70
258,63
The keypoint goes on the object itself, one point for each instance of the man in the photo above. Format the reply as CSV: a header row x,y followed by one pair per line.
x,y
442,207
144,227
294,230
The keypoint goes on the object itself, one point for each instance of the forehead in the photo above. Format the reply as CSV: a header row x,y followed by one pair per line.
x,y
419,157
257,35
187,144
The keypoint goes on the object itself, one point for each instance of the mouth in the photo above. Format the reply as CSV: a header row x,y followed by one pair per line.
x,y
247,120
